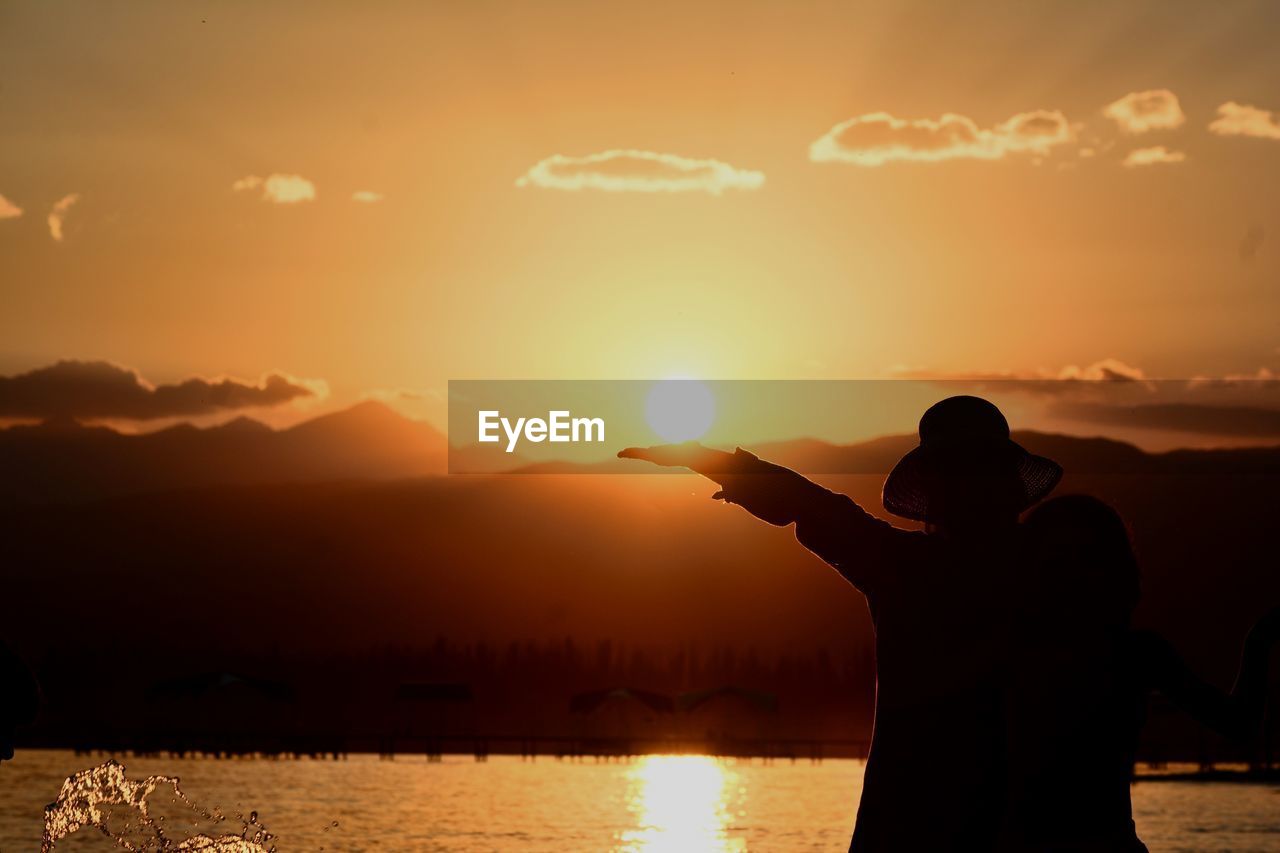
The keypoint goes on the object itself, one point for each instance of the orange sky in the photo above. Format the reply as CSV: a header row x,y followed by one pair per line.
x,y
140,143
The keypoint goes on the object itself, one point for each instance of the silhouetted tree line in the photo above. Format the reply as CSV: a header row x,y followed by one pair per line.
x,y
139,691
521,688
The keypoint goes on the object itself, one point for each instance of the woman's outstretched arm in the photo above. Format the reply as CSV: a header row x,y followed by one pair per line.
x,y
1237,714
861,547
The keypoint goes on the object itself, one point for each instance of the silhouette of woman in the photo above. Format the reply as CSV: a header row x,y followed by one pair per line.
x,y
942,602
1078,685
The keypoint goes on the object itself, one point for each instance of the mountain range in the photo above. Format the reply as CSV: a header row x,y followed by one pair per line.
x,y
61,461
131,557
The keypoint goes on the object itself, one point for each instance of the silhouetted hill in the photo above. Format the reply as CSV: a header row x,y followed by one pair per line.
x,y
63,461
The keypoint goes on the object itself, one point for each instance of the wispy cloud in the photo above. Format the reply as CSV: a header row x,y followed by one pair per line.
x,y
9,210
393,395
58,214
100,389
1067,379
277,188
878,138
1243,120
1140,112
638,171
1106,370
1153,156
367,196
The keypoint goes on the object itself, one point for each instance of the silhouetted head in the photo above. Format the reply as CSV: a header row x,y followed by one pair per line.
x,y
1084,562
967,472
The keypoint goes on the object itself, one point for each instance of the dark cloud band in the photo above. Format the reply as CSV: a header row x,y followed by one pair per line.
x,y
99,389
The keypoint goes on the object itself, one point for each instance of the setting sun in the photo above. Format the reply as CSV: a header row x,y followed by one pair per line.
x,y
680,409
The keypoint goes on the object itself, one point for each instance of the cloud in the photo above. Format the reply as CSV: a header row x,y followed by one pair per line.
x,y
58,214
1139,112
288,189
9,210
1106,370
278,188
638,171
408,400
367,196
100,389
1108,380
391,395
1152,156
1242,120
878,138
1069,379
1263,377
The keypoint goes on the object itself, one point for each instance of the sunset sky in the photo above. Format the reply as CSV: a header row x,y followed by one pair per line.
x,y
383,196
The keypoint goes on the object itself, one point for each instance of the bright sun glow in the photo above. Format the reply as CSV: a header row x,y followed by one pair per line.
x,y
681,803
680,409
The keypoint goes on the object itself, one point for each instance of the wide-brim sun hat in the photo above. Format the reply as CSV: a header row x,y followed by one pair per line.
x,y
971,431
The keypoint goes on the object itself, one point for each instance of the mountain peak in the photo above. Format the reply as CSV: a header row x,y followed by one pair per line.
x,y
242,424
61,423
365,415
370,423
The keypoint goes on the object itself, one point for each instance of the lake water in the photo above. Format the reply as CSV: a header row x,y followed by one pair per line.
x,y
653,803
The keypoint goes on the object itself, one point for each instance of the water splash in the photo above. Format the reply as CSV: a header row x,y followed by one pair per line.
x,y
135,816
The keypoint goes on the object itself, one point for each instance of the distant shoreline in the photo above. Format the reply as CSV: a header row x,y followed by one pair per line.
x,y
577,749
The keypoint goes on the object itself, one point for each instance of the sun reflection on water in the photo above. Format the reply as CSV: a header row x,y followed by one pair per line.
x,y
681,803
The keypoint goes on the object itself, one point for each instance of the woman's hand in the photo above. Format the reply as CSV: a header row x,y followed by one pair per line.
x,y
767,491
715,465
